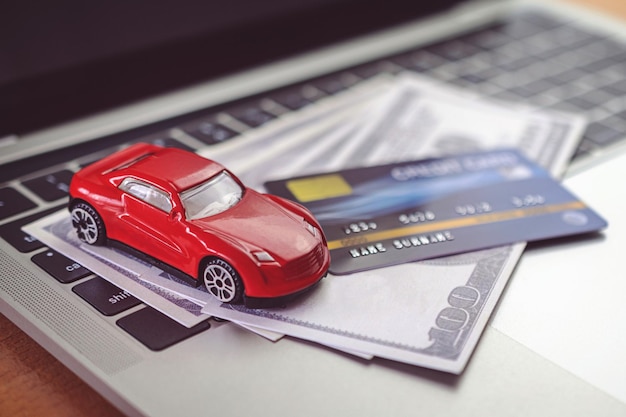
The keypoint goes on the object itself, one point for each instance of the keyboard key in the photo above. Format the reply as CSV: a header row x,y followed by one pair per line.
x,y
87,160
369,70
23,242
169,143
539,86
581,103
105,297
597,97
420,62
12,203
599,65
602,135
585,148
293,98
157,331
542,20
488,74
253,116
472,78
572,37
522,92
454,50
621,115
60,267
487,39
333,83
619,58
567,76
609,48
209,131
519,28
518,64
51,187
615,123
548,52
618,88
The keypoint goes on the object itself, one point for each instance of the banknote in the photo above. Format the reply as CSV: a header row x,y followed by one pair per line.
x,y
428,314
428,119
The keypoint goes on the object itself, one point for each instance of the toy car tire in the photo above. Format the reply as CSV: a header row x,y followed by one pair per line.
x,y
88,224
222,281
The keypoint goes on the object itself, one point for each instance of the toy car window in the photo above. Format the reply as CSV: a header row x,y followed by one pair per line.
x,y
147,193
211,197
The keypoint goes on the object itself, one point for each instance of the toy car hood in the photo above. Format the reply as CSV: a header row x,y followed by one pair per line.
x,y
262,224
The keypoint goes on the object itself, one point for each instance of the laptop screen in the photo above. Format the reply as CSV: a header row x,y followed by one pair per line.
x,y
65,59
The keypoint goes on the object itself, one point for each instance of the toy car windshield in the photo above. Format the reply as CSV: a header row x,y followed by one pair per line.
x,y
211,197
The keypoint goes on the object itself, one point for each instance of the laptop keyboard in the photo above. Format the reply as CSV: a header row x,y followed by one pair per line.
x,y
530,58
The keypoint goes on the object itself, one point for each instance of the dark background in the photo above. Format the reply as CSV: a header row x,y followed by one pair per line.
x,y
68,58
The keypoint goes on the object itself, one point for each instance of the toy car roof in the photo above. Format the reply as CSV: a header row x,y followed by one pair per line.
x,y
181,169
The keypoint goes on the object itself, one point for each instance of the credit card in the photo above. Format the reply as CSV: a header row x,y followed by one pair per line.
x,y
390,214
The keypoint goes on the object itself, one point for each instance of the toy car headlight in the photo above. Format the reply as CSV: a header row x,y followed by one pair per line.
x,y
263,256
312,229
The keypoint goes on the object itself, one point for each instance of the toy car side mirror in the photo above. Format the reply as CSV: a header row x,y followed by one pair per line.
x,y
175,215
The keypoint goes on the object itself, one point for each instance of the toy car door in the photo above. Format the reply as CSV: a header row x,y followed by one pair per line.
x,y
152,226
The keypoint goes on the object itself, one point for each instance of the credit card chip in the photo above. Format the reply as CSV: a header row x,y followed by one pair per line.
x,y
319,188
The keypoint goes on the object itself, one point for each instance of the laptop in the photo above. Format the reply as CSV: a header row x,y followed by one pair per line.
x,y
214,71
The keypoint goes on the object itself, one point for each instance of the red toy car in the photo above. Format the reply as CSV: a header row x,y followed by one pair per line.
x,y
191,214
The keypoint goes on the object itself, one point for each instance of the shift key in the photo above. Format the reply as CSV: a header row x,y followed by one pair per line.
x,y
105,297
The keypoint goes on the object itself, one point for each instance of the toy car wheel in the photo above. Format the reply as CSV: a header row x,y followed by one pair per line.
x,y
222,281
88,224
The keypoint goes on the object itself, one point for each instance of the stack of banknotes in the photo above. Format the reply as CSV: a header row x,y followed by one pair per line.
x,y
407,312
